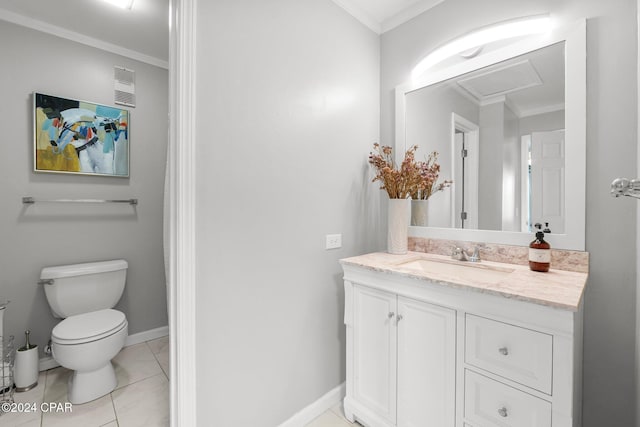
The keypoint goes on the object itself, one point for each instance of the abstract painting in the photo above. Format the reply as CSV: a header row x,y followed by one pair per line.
x,y
80,137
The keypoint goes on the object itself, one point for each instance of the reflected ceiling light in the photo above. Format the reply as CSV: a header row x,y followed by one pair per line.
x,y
124,4
477,39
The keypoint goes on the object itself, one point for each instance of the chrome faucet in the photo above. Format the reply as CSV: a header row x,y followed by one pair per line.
x,y
459,254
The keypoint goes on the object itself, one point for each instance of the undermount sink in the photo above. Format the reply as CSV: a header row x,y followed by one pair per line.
x,y
481,273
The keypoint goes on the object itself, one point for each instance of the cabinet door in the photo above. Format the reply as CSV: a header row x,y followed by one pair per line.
x,y
426,364
374,350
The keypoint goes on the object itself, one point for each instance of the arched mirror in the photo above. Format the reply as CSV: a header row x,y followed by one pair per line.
x,y
509,130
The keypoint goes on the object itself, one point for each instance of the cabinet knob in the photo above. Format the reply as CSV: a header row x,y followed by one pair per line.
x,y
399,317
503,412
391,314
503,351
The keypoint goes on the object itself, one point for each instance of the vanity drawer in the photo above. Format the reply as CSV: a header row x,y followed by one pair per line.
x,y
489,403
519,354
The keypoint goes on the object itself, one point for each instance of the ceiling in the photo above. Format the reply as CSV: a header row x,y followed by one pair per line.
x,y
384,15
531,84
143,29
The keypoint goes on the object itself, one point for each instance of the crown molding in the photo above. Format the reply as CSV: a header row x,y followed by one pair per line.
x,y
390,23
408,14
542,110
64,33
357,12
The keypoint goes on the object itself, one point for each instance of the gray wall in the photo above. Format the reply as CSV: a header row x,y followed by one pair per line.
x,y
428,125
491,121
288,110
609,336
44,235
542,122
511,172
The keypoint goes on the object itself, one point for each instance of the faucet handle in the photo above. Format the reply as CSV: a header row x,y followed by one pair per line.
x,y
458,253
476,254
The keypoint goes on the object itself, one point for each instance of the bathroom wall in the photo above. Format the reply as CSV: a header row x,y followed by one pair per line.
x,y
288,111
48,234
542,122
511,172
491,122
428,125
609,335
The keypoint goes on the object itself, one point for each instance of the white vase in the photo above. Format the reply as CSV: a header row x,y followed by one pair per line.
x,y
398,224
419,210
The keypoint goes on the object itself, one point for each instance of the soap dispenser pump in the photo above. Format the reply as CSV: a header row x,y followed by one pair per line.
x,y
539,252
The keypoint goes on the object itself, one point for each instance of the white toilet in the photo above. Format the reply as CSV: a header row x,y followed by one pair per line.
x,y
92,333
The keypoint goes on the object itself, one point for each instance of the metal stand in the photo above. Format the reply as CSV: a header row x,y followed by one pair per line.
x,y
7,357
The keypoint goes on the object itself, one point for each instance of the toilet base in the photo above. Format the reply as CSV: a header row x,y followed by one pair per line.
x,y
84,387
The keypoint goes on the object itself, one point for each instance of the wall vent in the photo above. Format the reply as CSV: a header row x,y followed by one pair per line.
x,y
124,86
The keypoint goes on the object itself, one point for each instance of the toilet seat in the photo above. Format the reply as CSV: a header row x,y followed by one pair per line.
x,y
87,327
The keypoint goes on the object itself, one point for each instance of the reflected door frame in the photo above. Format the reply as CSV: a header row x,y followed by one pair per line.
x,y
470,182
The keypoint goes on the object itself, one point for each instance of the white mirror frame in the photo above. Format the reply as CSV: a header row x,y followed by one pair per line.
x,y
574,37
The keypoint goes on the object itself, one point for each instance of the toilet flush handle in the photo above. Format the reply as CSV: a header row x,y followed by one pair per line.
x,y
45,282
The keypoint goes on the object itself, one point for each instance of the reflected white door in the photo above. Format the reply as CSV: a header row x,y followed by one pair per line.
x,y
547,179
465,157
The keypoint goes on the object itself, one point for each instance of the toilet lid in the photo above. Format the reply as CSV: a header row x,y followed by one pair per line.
x,y
88,326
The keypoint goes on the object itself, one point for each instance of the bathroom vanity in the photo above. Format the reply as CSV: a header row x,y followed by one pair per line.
x,y
436,342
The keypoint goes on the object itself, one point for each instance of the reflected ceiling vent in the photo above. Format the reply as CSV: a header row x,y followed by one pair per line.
x,y
124,86
501,80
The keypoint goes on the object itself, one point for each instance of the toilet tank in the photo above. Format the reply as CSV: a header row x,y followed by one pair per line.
x,y
81,288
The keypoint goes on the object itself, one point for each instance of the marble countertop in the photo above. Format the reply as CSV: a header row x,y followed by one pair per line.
x,y
555,288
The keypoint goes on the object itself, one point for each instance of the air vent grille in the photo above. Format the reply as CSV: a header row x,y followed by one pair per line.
x,y
124,86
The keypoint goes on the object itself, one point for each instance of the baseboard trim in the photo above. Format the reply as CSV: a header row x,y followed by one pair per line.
x,y
48,362
317,408
151,334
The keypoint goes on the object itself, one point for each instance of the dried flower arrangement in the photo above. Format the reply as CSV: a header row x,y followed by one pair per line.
x,y
399,183
413,179
430,171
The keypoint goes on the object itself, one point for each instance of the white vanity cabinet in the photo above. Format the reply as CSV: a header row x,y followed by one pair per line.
x,y
425,353
403,354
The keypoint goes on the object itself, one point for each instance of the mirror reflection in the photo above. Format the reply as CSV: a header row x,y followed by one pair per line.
x,y
499,134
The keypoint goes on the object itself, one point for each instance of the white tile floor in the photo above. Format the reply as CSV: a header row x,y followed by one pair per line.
x,y
334,417
140,399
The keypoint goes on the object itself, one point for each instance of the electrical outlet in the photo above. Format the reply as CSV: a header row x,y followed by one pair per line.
x,y
333,241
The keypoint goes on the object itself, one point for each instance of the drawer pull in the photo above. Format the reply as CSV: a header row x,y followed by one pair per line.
x,y
391,314
503,351
503,412
400,317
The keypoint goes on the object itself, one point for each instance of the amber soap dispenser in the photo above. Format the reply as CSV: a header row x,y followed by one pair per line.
x,y
539,252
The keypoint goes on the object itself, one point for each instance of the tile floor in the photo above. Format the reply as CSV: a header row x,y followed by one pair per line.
x,y
140,399
334,417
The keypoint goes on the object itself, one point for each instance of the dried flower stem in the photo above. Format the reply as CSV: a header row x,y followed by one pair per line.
x,y
430,171
398,182
412,179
